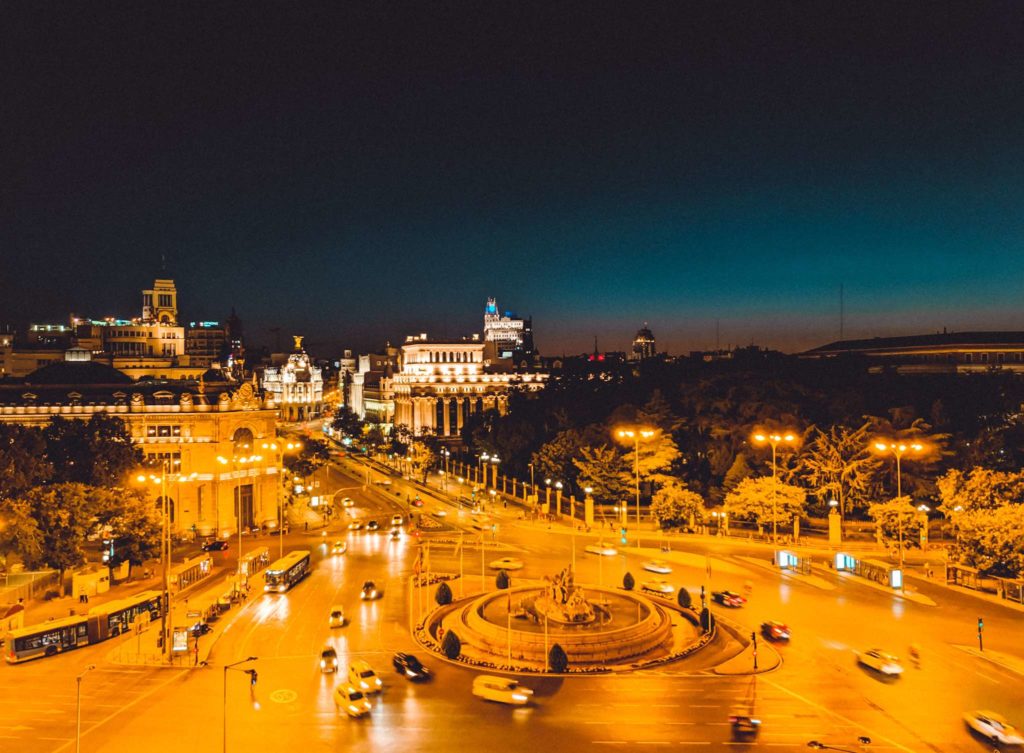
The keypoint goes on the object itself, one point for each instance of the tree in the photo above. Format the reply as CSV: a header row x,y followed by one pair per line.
x,y
347,423
992,540
628,581
423,454
554,459
443,595
838,464
132,520
23,460
314,454
451,645
502,580
374,439
753,499
604,470
675,506
979,489
707,620
683,598
99,451
656,456
739,470
557,659
895,516
400,439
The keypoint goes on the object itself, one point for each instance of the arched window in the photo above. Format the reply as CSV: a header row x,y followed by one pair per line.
x,y
243,441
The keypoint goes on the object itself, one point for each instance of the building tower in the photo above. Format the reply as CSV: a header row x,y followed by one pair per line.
x,y
643,344
160,305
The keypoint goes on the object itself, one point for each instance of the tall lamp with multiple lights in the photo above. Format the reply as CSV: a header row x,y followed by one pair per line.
x,y
774,440
636,435
235,461
898,450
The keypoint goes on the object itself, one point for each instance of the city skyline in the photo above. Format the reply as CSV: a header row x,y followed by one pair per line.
x,y
350,179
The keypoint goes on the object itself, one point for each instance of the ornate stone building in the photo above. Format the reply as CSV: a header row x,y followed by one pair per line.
x,y
509,333
297,387
189,424
438,385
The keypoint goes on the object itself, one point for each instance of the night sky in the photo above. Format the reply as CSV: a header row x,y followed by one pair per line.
x,y
364,176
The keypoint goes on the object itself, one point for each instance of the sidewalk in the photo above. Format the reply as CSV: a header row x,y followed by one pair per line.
x,y
1011,663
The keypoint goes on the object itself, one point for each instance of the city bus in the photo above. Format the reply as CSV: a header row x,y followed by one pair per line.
x,y
254,561
103,621
287,571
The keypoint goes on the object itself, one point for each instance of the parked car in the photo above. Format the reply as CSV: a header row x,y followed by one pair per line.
x,y
328,660
601,548
501,690
994,727
369,591
728,599
215,546
410,666
657,566
506,563
775,631
353,701
336,617
881,661
362,677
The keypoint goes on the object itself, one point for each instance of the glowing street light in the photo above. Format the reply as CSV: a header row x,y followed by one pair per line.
x,y
898,450
774,440
636,435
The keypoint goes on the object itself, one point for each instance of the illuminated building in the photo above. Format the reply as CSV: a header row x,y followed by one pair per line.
x,y
371,393
188,423
438,385
206,343
941,353
297,386
643,344
508,333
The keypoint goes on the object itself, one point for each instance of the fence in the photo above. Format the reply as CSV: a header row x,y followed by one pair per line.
x,y
28,585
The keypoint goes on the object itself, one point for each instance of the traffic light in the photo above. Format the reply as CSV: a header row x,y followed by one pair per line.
x,y
252,677
622,535
981,624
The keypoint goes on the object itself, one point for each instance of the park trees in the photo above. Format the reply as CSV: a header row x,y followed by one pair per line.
x,y
605,471
764,500
675,506
347,423
838,464
897,520
99,451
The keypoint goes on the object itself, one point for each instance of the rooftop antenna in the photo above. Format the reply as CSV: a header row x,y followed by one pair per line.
x,y
163,262
718,340
842,313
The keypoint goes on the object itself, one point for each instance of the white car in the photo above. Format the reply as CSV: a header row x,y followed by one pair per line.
x,y
658,586
352,700
347,502
995,727
501,690
657,566
440,513
605,550
506,563
880,661
396,520
337,617
362,677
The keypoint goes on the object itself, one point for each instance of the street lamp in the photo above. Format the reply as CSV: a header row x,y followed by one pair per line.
x,y
636,435
483,466
224,711
235,461
898,450
286,448
78,707
774,440
445,454
494,463
558,497
547,499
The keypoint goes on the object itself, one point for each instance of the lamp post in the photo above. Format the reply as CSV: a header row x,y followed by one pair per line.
x,y
483,467
636,435
445,454
224,711
558,497
774,440
288,447
78,707
533,486
898,450
235,461
547,499
494,463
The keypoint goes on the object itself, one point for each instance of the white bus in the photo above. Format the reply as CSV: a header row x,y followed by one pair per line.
x,y
287,571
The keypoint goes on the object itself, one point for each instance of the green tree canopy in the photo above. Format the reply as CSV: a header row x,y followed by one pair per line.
x,y
753,499
992,540
23,460
99,451
347,423
838,464
895,517
604,470
674,506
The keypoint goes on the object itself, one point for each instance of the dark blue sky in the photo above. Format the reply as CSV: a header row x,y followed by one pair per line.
x,y
362,176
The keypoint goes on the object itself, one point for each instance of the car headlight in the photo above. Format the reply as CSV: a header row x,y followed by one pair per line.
x,y
353,708
364,686
409,673
377,681
322,664
518,697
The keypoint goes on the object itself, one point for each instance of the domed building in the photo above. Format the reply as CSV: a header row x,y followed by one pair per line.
x,y
296,387
643,344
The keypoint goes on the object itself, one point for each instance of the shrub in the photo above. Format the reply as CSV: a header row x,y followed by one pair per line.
x,y
557,659
683,597
443,595
628,581
502,581
451,645
707,620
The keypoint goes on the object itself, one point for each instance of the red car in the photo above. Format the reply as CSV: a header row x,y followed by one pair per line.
x,y
417,502
728,598
775,631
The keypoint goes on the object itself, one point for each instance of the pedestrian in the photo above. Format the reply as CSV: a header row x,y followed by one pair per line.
x,y
306,524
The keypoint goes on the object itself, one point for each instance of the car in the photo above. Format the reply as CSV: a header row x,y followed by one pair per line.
x,y
347,502
396,520
410,666
601,548
355,525
501,690
336,617
881,661
396,534
506,563
657,566
745,725
775,631
328,660
369,591
658,586
417,502
995,727
440,513
215,546
199,629
728,599
353,701
362,677
340,547
372,525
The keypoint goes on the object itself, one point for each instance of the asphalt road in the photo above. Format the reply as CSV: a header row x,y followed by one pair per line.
x,y
819,692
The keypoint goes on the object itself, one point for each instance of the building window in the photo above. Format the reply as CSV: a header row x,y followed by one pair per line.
x,y
165,301
163,431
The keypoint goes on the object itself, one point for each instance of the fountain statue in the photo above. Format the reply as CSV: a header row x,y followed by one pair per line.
x,y
561,601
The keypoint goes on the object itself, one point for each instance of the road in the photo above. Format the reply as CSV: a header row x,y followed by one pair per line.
x,y
818,693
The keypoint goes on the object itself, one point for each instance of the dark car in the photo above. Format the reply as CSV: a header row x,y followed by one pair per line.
x,y
328,660
215,546
369,591
200,628
775,631
409,665
728,598
373,525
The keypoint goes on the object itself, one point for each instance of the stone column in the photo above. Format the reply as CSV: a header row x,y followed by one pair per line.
x,y
446,402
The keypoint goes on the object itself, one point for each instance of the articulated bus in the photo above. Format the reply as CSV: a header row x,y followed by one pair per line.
x,y
287,571
102,622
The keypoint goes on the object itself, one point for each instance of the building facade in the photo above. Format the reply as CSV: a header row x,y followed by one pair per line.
x,y
297,386
509,333
372,391
643,344
206,343
218,440
941,353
